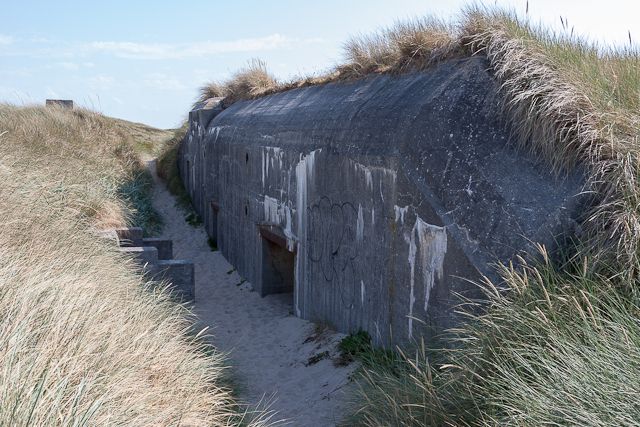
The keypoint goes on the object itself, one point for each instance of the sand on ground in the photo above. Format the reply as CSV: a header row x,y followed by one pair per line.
x,y
271,352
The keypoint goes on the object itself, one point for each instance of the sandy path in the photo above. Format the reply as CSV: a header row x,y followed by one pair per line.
x,y
269,348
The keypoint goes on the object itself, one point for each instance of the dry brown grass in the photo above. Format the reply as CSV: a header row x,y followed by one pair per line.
x,y
575,105
407,46
250,82
83,339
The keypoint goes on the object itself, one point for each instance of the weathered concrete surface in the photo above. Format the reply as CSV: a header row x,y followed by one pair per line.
x,y
142,254
164,246
64,103
179,273
129,236
390,192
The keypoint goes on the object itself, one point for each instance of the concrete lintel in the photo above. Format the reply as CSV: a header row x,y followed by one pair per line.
x,y
274,234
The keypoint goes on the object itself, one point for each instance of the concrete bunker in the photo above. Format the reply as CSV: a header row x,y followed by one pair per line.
x,y
390,194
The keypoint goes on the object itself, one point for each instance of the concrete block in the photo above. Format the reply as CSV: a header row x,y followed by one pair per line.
x,y
129,236
143,254
64,103
179,273
164,247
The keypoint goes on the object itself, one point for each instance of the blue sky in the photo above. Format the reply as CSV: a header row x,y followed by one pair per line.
x,y
144,60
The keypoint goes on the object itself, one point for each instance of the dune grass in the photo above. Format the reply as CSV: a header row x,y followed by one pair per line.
x,y
558,344
558,347
84,340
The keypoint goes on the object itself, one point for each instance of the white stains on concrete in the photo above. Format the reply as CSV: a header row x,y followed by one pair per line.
x,y
279,213
272,210
360,225
271,158
304,176
433,244
367,173
400,212
291,240
373,217
362,292
427,246
468,188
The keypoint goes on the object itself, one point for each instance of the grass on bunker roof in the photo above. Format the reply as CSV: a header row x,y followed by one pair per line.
x,y
561,346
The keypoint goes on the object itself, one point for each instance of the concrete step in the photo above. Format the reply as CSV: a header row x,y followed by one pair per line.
x,y
164,246
180,275
142,254
129,236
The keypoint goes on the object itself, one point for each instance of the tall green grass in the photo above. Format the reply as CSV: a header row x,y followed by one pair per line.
x,y
555,348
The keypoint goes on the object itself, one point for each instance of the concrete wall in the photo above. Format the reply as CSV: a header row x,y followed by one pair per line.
x,y
390,191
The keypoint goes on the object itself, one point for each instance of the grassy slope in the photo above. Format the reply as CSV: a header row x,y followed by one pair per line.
x,y
562,346
81,339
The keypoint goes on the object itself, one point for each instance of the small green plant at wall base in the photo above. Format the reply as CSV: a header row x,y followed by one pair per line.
x,y
193,219
354,345
358,346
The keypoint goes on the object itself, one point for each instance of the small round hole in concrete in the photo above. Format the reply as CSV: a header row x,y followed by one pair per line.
x,y
246,157
246,210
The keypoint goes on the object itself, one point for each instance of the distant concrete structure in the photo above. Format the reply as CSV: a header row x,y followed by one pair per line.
x,y
64,103
375,201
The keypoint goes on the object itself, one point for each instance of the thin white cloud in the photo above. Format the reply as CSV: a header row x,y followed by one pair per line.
x,y
162,81
101,82
5,40
71,66
197,49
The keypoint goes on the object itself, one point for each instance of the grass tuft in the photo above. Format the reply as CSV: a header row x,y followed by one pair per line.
x,y
250,82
